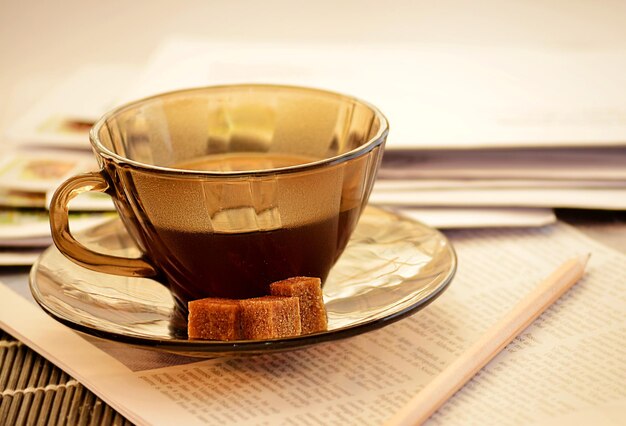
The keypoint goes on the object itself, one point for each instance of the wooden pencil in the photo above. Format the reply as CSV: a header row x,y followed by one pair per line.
x,y
460,371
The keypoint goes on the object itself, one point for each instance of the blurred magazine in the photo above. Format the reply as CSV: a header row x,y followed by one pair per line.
x,y
62,117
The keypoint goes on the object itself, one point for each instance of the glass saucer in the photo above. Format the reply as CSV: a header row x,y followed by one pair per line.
x,y
392,267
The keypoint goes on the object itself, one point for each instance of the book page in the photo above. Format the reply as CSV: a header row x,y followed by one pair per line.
x,y
571,360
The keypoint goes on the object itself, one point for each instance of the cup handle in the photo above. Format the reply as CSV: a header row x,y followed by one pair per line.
x,y
75,251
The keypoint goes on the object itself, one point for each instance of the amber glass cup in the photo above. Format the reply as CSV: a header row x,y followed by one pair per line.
x,y
227,189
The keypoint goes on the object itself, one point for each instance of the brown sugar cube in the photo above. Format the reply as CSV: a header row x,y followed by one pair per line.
x,y
309,291
270,317
214,319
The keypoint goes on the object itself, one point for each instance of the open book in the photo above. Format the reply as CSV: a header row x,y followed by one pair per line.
x,y
569,367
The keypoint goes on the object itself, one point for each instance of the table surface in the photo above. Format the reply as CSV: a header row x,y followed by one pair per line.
x,y
35,392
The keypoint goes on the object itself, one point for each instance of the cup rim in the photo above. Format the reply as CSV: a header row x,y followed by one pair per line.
x,y
373,142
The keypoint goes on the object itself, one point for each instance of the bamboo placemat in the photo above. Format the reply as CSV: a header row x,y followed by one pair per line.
x,y
35,392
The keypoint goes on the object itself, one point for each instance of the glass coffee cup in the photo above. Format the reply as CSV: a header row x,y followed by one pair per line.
x,y
227,189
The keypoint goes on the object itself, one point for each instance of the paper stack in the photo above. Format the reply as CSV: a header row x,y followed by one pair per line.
x,y
27,180
520,178
46,146
480,136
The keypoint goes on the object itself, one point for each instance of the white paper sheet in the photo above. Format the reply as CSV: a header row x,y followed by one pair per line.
x,y
437,96
570,361
468,217
425,184
19,257
607,164
594,198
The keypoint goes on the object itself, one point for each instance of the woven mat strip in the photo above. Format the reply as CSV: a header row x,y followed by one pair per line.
x,y
35,392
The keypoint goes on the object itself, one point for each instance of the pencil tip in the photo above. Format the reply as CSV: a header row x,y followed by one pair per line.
x,y
584,258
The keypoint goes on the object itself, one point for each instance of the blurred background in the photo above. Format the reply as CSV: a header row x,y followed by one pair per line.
x,y
41,42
